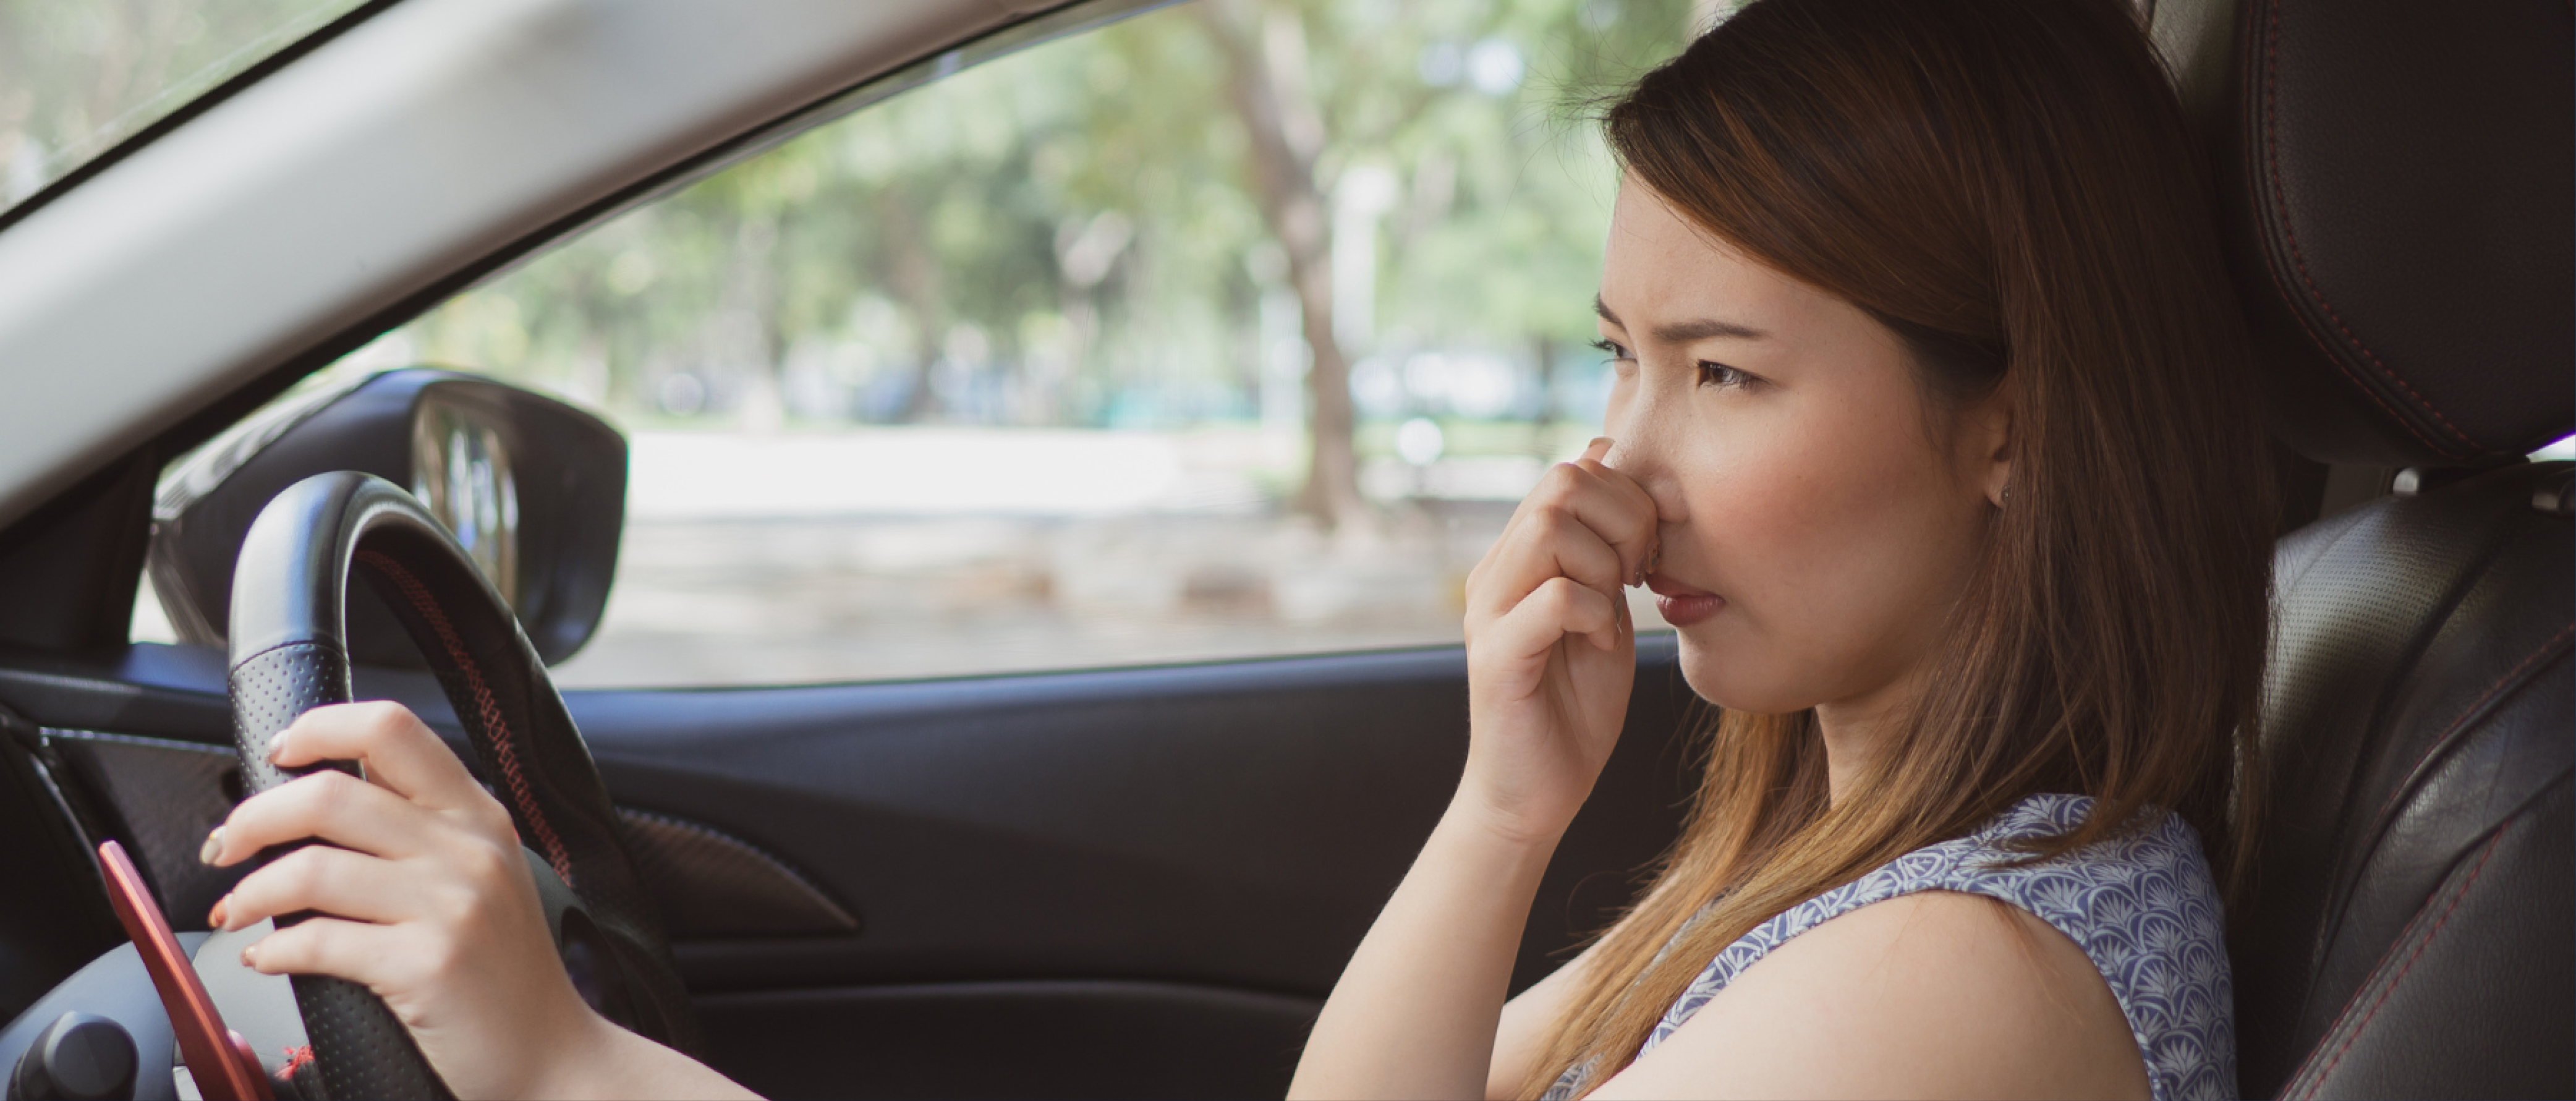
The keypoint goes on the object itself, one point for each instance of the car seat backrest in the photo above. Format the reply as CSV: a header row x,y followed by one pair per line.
x,y
2397,181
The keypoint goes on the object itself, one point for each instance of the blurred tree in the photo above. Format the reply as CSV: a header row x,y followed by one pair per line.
x,y
1266,86
1076,234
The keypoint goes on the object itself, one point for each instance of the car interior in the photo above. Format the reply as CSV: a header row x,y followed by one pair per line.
x,y
1143,881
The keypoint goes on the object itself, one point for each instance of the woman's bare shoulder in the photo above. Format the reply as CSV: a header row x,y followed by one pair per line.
x,y
1932,994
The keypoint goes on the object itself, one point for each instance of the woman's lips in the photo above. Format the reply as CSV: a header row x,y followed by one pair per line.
x,y
1681,604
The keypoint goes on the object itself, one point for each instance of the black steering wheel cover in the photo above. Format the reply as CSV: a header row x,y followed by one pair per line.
x,y
289,655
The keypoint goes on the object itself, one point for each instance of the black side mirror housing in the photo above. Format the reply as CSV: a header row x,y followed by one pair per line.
x,y
534,488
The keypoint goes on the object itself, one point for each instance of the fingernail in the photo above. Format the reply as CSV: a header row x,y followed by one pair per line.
x,y
215,917
214,847
248,959
276,746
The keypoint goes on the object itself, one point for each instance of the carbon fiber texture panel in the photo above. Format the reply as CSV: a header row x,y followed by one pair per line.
x,y
712,884
159,797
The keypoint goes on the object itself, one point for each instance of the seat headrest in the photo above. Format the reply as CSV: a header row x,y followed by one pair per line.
x,y
2397,180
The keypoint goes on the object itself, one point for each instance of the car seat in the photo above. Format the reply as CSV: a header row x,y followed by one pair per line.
x,y
2397,180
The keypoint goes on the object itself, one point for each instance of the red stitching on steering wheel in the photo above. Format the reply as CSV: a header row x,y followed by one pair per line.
x,y
497,731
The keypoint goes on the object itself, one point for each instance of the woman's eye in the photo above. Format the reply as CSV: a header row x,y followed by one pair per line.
x,y
1721,375
1612,349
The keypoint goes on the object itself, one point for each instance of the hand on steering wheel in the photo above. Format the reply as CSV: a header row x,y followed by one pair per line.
x,y
422,949
432,906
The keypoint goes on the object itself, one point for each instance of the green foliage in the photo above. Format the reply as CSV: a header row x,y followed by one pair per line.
x,y
78,76
1068,235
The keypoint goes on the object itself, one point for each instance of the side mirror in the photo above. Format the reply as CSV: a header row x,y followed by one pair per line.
x,y
533,488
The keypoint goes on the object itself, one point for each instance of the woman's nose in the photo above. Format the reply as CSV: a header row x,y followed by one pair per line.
x,y
1637,454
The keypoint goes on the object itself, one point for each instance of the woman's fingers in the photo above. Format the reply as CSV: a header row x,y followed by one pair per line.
x,y
328,880
1557,608
377,957
1552,544
398,750
1553,537
333,806
1591,492
1625,514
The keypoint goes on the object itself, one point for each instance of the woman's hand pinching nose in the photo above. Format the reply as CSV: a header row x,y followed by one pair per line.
x,y
1550,652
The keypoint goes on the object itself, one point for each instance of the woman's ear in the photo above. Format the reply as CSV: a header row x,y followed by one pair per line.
x,y
1991,441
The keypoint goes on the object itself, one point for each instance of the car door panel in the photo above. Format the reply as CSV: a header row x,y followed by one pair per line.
x,y
1064,1038
1235,823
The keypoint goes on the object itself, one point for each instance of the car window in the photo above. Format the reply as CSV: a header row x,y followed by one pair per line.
x,y
79,76
1020,369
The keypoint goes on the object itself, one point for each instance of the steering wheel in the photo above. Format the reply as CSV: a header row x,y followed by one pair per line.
x,y
289,654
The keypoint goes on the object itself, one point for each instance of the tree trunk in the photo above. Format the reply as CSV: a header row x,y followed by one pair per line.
x,y
916,284
1543,424
746,322
1285,136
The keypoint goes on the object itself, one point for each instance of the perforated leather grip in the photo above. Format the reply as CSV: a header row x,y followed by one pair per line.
x,y
271,688
361,1048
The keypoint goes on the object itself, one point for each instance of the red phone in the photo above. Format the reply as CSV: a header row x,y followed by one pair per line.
x,y
217,1057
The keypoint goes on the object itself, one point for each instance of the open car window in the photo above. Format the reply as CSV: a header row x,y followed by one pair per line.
x,y
79,76
1019,369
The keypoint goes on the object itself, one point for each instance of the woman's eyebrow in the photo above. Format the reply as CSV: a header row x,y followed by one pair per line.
x,y
1683,332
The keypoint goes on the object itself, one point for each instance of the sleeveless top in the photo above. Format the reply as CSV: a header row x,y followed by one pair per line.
x,y
2142,905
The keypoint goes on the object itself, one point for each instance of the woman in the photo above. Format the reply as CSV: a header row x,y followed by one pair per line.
x,y
1931,436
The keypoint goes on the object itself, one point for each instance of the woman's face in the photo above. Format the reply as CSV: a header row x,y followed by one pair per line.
x,y
1814,536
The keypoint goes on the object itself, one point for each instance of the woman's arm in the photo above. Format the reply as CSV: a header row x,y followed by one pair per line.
x,y
430,906
1550,659
1414,1014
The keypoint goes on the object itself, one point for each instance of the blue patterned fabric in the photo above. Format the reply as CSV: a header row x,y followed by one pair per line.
x,y
2142,905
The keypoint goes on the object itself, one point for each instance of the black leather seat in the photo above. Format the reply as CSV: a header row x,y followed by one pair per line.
x,y
2400,183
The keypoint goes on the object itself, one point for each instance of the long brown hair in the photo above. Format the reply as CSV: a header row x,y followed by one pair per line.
x,y
2009,186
